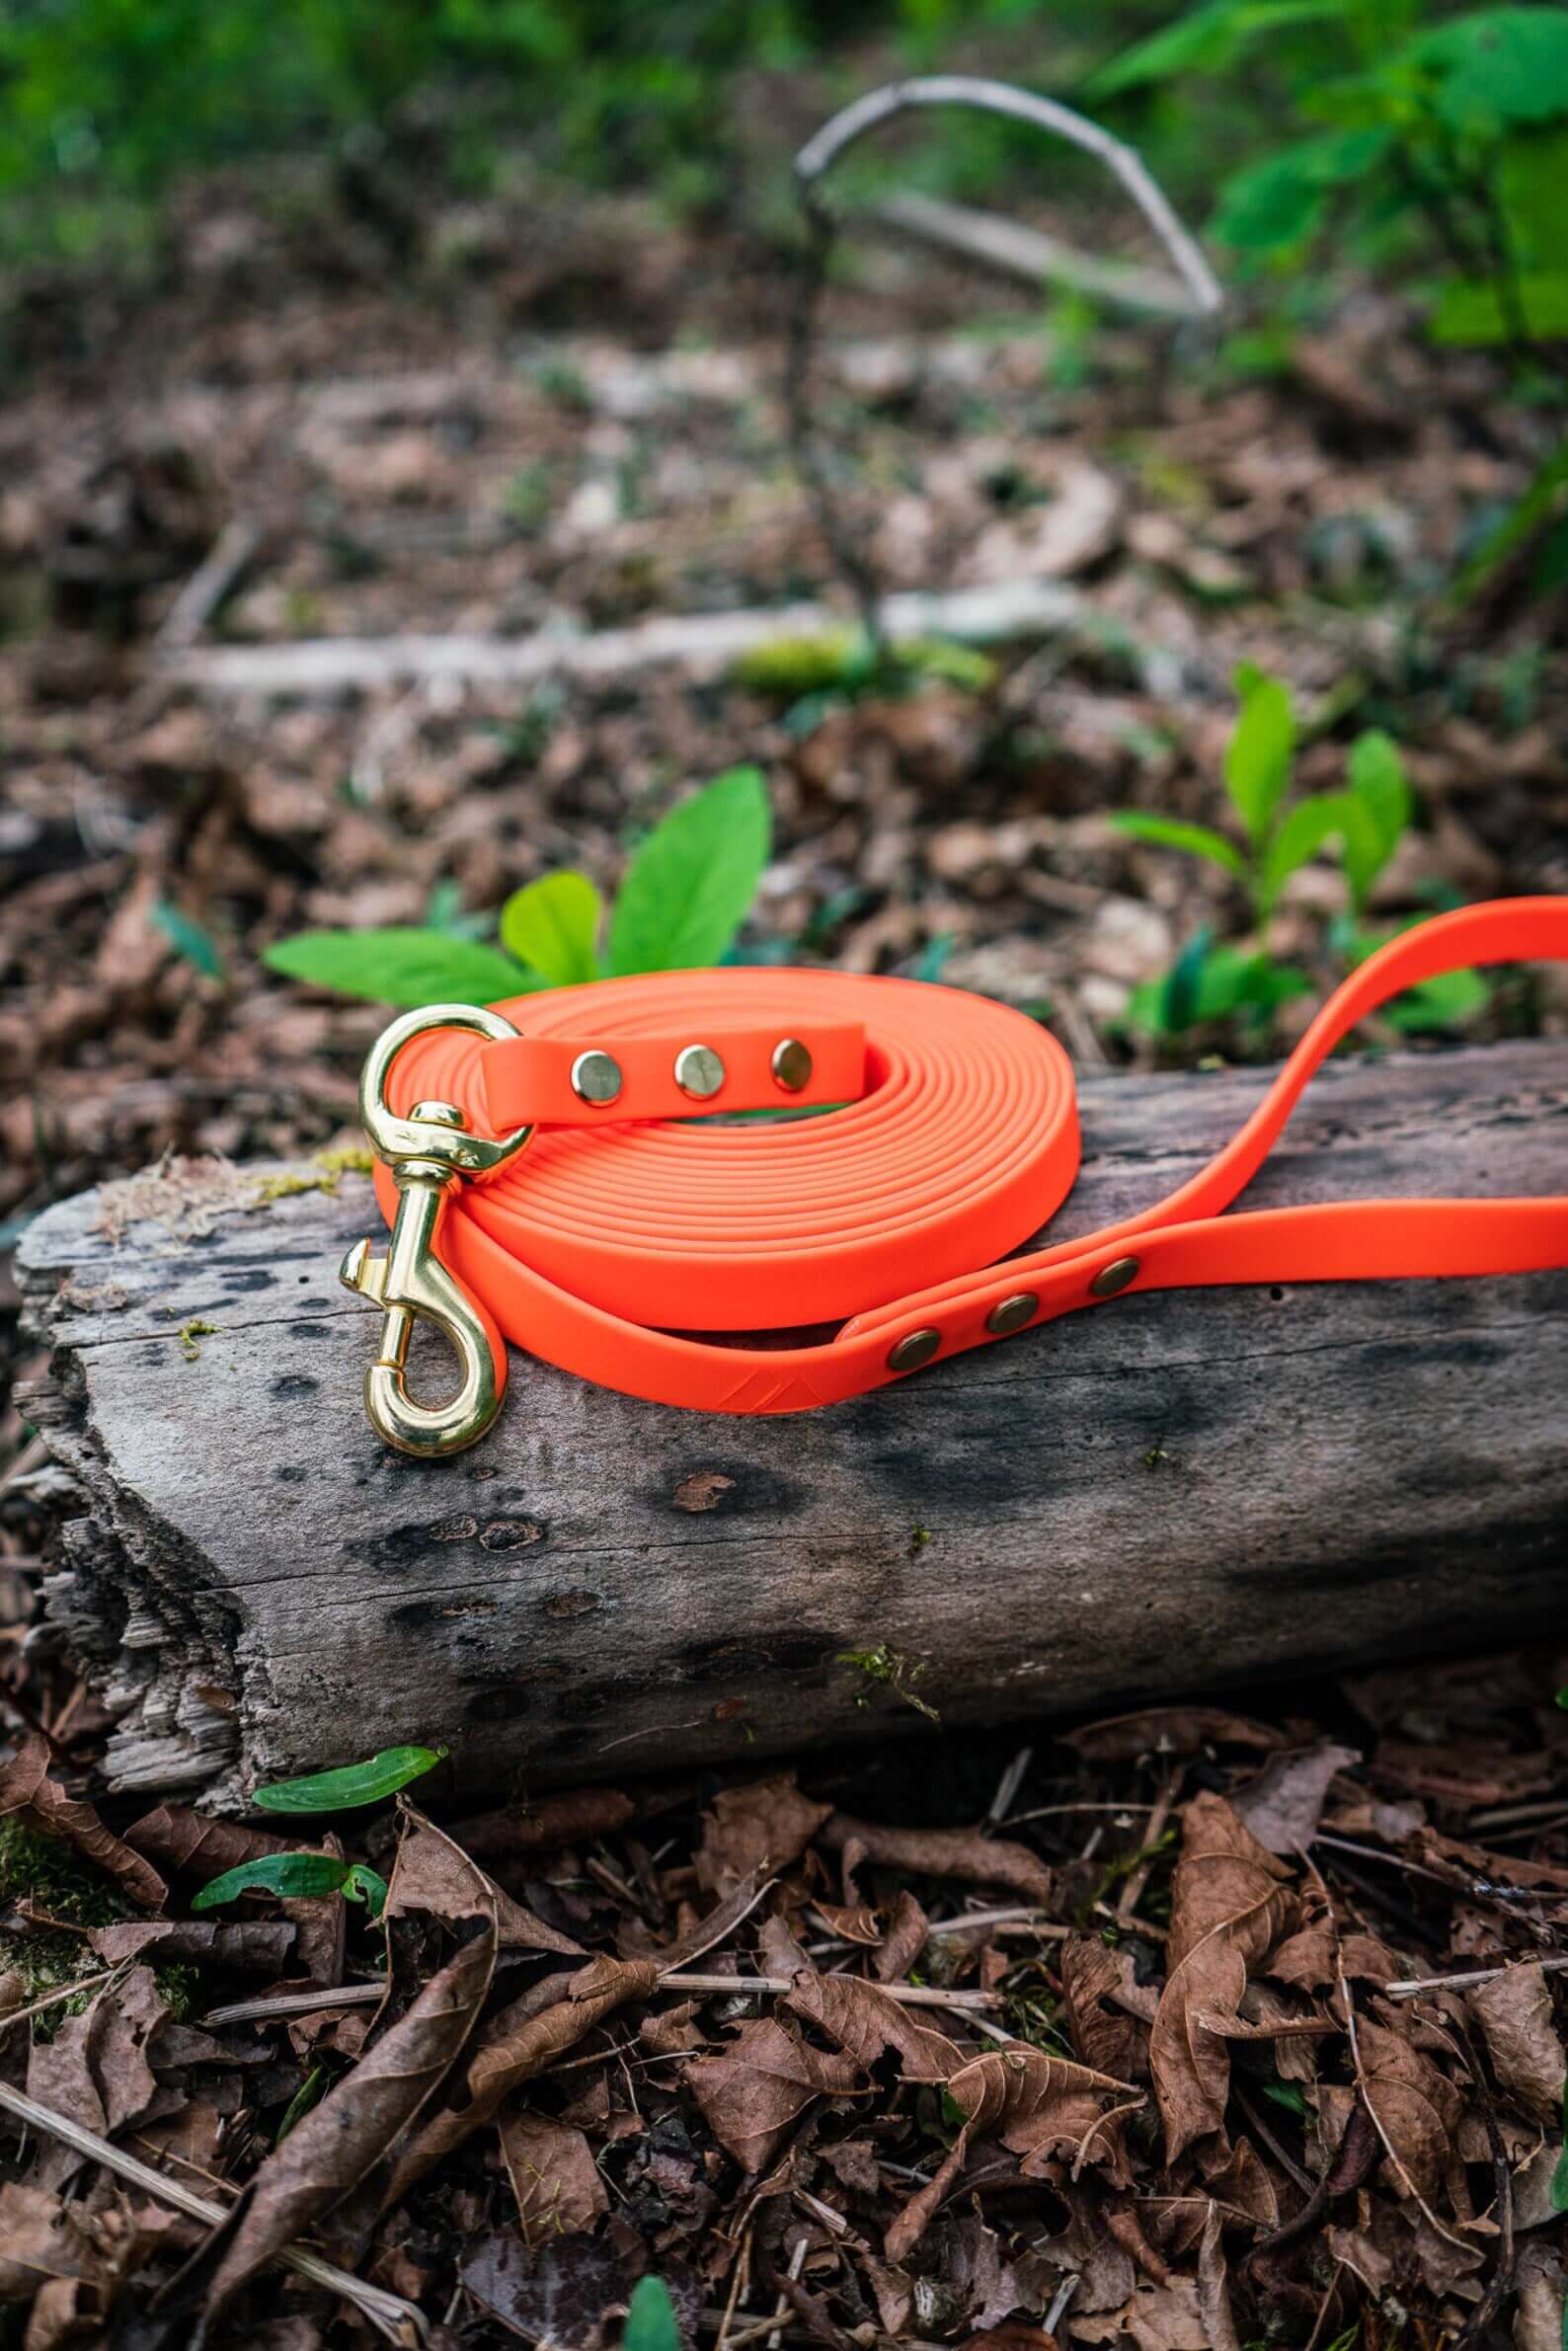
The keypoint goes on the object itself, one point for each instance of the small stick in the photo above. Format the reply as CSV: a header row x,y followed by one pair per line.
x,y
398,2320
1017,1914
52,1999
911,1996
1406,1987
353,1995
1137,1879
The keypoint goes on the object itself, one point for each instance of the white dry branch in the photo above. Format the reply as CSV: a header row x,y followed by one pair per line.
x,y
698,641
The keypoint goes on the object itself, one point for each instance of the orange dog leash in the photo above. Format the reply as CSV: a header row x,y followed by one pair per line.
x,y
601,1221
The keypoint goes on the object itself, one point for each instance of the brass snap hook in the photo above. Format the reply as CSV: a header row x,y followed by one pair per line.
x,y
427,1152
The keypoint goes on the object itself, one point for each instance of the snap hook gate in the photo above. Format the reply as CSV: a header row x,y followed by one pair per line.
x,y
427,1152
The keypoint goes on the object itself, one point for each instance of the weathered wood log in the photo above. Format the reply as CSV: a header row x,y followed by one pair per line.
x,y
1184,1490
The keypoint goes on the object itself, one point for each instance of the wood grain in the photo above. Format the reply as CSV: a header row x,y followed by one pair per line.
x,y
1176,1490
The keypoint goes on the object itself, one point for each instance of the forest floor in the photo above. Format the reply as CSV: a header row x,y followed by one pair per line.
x,y
1107,2046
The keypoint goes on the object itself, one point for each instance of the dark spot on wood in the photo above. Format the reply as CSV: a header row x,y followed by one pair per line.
x,y
571,1604
420,1616
291,1473
486,1469
292,1387
703,1490
512,1534
311,1330
255,1278
455,1530
750,1489
719,1661
497,1705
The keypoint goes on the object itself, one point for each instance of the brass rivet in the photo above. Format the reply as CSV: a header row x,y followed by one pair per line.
x,y
596,1076
698,1071
914,1349
791,1065
1012,1313
1114,1277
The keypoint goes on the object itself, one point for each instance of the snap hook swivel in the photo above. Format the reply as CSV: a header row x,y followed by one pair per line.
x,y
427,1152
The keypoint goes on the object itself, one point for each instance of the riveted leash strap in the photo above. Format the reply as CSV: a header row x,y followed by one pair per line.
x,y
626,1225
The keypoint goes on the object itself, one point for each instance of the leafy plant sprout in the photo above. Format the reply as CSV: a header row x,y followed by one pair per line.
x,y
1364,821
687,887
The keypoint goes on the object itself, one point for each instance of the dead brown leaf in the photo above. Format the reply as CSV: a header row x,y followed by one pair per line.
x,y
432,1875
1038,2106
1514,2012
27,1789
41,2239
1167,1731
251,1945
753,2090
763,1827
945,1852
190,1844
1229,1907
553,2176
518,2043
335,2145
864,2022
96,2070
1283,1804
548,1820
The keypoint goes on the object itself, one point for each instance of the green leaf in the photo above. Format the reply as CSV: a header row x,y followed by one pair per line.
x,y
355,1785
1473,310
186,934
1301,833
274,1873
1446,1001
1288,2094
689,886
1181,989
410,967
1498,65
1206,40
363,1883
651,2321
1173,833
1259,752
1381,808
1546,494
300,2104
1274,204
554,926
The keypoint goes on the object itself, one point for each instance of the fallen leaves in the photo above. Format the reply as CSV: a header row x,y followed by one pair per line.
x,y
1229,1906
28,1790
702,2046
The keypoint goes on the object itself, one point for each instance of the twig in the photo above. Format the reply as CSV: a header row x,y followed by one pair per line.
x,y
64,1992
1016,1915
1405,1988
700,640
398,2320
353,1995
1017,250
911,1996
1042,113
1137,1878
818,156
1007,1787
1480,2323
210,585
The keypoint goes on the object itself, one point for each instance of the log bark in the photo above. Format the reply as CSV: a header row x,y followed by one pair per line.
x,y
1191,1489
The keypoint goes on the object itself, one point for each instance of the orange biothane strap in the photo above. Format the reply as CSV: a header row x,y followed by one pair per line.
x,y
598,1250
527,1080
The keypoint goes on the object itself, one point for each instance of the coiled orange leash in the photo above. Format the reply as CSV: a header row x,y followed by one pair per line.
x,y
549,1182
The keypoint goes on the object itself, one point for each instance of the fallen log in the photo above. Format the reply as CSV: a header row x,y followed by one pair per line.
x,y
1192,1488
